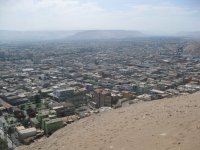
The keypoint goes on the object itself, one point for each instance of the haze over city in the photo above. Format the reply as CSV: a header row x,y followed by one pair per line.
x,y
150,16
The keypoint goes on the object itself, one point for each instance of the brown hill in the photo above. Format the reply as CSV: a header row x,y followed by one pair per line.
x,y
193,48
167,124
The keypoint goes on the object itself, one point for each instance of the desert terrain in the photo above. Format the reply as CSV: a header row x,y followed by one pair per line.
x,y
166,124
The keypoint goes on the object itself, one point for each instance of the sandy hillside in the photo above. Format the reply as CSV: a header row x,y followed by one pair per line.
x,y
167,124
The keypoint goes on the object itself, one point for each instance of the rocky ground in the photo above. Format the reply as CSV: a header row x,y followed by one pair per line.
x,y
167,124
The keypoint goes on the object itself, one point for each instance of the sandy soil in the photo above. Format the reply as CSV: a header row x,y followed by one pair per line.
x,y
167,124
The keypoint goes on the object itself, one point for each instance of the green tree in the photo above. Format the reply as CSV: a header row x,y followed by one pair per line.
x,y
22,107
37,99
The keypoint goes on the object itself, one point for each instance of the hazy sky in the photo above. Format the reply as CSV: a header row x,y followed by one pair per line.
x,y
158,16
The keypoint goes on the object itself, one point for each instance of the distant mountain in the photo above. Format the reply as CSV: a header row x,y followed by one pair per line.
x,y
105,34
194,34
6,35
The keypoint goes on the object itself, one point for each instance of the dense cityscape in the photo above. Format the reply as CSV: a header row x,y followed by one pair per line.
x,y
45,86
99,75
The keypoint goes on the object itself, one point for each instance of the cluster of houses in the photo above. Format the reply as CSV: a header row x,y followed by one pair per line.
x,y
43,91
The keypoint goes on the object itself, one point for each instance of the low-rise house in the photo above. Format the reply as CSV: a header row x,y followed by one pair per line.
x,y
157,94
63,108
53,125
24,133
144,97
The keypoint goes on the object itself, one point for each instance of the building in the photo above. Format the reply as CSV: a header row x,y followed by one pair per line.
x,y
128,95
105,99
24,133
63,94
63,108
52,125
35,123
14,99
45,114
102,98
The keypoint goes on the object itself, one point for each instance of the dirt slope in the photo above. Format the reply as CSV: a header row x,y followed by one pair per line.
x,y
167,124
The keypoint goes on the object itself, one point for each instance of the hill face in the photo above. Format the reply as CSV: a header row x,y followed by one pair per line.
x,y
167,124
66,35
34,35
193,48
195,34
105,34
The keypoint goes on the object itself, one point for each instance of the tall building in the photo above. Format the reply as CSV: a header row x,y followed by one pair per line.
x,y
102,98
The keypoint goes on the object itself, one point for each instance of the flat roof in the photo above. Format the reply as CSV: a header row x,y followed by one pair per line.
x,y
54,120
27,130
157,91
